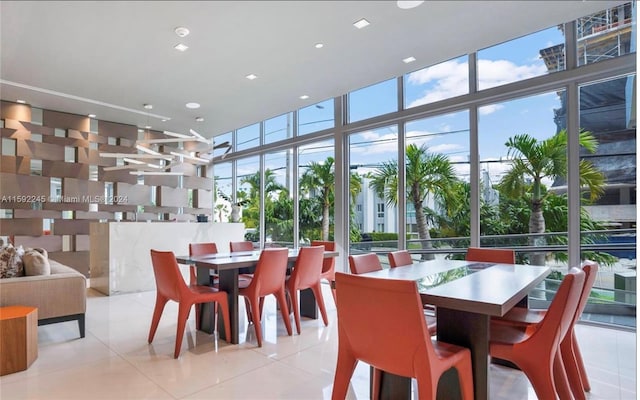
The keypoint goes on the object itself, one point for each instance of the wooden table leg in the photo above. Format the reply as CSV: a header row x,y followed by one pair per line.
x,y
469,330
228,281
308,305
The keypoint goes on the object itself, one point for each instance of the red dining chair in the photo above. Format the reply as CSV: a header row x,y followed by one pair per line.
x,y
200,249
306,275
328,265
491,254
171,286
241,246
269,278
571,355
399,258
363,337
362,263
535,349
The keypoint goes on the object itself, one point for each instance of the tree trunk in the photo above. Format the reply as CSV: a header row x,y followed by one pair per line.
x,y
537,225
325,222
423,231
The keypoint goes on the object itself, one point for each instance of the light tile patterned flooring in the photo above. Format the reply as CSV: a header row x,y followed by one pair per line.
x,y
114,360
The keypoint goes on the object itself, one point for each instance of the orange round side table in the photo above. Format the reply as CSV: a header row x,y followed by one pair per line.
x,y
18,338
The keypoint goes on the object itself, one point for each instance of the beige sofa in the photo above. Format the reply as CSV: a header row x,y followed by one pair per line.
x,y
60,296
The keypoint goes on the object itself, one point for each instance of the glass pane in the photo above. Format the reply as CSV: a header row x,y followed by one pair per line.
x,y
248,137
278,128
373,211
606,34
278,201
532,55
438,82
316,117
378,99
437,183
608,223
522,156
219,141
223,191
247,198
317,190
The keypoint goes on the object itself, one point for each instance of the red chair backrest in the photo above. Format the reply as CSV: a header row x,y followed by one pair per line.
x,y
489,254
201,249
328,263
399,258
590,269
169,281
375,341
562,309
271,271
362,263
240,246
308,266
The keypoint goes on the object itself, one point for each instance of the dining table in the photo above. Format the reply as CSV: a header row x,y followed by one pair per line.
x,y
227,266
466,295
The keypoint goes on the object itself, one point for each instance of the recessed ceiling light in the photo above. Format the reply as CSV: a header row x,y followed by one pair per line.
x,y
406,5
361,23
21,101
251,77
163,120
181,31
147,127
199,119
319,45
408,60
192,106
91,115
181,47
148,106
304,97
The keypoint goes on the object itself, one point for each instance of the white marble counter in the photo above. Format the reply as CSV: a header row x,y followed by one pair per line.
x,y
120,261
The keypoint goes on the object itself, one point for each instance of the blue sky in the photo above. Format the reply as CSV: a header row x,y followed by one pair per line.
x,y
448,134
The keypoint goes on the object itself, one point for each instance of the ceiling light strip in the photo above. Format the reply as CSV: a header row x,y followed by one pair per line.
x,y
189,156
155,173
78,98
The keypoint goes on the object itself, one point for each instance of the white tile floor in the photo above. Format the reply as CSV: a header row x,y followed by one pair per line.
x,y
114,360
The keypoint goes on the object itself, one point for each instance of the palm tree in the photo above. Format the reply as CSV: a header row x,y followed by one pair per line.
x,y
251,215
534,160
320,177
426,173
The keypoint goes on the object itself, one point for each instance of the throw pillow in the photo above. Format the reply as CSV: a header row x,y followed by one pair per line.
x,y
36,263
11,262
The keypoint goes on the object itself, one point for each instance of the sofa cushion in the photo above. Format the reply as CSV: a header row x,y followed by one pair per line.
x,y
11,265
36,263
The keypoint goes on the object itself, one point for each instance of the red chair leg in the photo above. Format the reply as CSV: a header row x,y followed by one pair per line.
x,y
580,362
345,366
317,293
157,313
282,301
183,315
293,295
571,368
256,320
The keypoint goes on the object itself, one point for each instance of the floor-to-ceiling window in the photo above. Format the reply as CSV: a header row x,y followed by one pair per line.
x,y
522,113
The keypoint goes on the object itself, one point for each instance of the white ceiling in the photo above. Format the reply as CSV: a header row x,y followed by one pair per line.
x,y
109,58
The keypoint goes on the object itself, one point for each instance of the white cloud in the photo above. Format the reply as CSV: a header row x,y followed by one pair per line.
x,y
450,79
499,72
491,108
444,148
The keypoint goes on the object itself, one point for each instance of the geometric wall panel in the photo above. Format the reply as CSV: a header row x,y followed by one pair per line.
x,y
27,188
172,197
47,242
62,120
45,175
71,227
